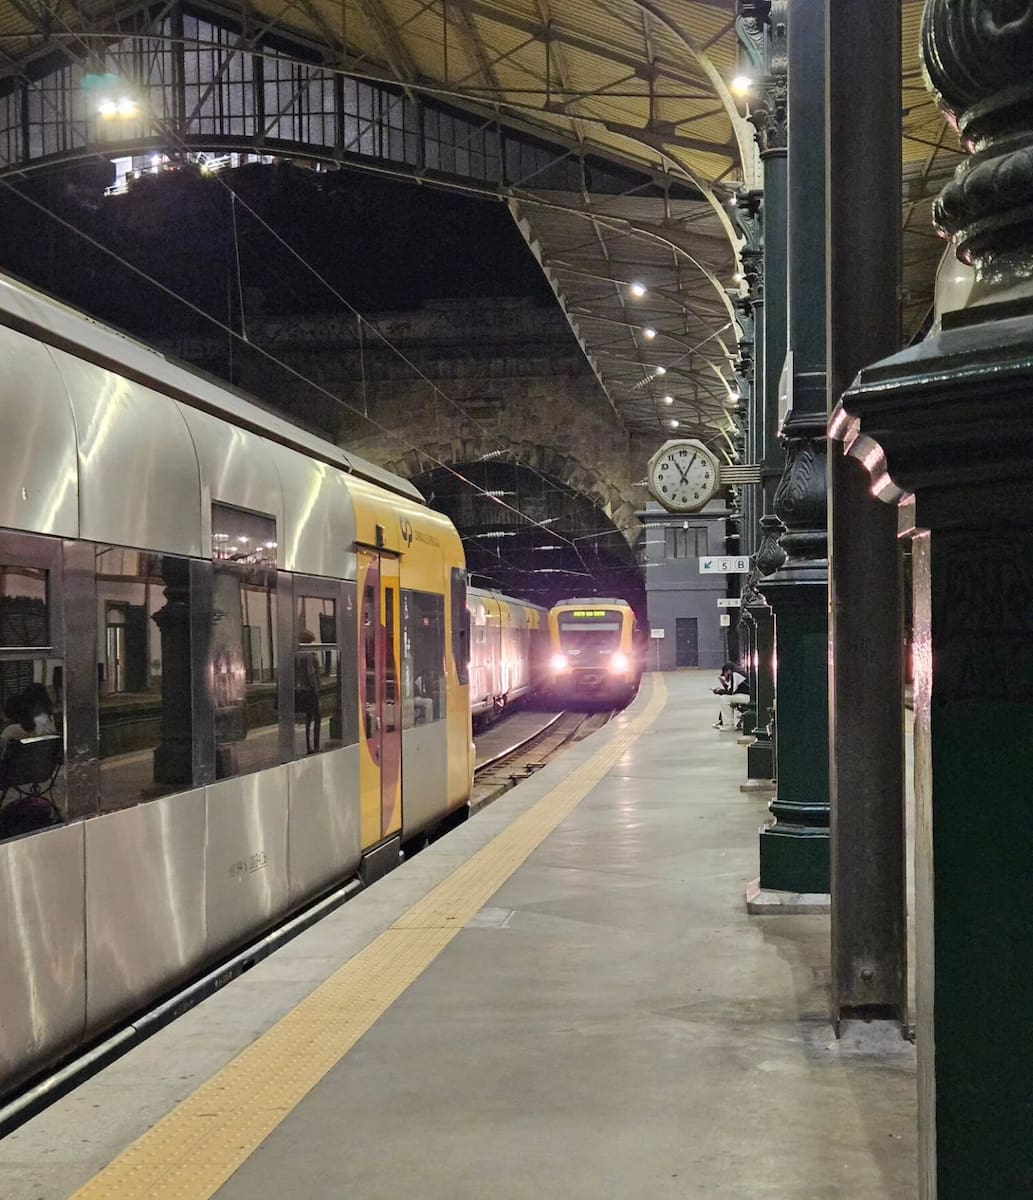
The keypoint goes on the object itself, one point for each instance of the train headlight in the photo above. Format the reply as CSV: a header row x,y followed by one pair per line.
x,y
619,662
559,662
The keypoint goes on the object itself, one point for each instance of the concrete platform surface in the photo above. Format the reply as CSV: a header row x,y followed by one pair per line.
x,y
610,1024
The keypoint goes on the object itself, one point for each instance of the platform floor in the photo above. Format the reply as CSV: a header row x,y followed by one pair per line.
x,y
586,1013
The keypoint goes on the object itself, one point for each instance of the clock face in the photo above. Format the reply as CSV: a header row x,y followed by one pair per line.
x,y
683,476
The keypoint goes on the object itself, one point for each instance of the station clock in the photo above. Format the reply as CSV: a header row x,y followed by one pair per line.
x,y
683,475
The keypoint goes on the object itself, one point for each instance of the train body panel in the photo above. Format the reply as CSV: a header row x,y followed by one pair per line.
x,y
507,647
594,651
173,560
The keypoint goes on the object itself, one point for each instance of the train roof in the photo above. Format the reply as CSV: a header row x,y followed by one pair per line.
x,y
593,602
57,324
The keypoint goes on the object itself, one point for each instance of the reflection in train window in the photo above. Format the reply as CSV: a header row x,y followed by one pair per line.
x,y
369,656
460,625
143,676
32,784
423,658
243,538
318,721
245,669
24,616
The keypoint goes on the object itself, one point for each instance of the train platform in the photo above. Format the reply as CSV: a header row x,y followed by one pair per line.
x,y
565,997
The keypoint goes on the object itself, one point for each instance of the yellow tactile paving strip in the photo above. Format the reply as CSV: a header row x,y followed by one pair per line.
x,y
191,1152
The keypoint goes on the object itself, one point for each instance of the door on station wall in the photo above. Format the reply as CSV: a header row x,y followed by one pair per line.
x,y
379,700
686,642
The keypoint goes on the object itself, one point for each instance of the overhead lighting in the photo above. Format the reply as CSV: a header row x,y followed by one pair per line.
x,y
649,333
661,370
674,422
737,277
638,290
741,85
735,397
668,399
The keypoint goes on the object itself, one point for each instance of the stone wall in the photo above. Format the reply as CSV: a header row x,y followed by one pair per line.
x,y
450,383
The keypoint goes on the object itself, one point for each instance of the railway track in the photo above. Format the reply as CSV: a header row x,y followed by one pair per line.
x,y
520,761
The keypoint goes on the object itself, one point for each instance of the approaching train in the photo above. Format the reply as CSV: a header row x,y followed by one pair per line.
x,y
254,651
595,653
508,646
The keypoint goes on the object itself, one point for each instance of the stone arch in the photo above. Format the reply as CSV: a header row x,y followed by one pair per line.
x,y
617,503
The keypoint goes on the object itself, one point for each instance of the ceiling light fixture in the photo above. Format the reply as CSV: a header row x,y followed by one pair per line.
x,y
741,85
668,399
638,290
649,333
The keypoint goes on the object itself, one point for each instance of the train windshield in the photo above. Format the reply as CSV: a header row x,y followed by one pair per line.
x,y
590,631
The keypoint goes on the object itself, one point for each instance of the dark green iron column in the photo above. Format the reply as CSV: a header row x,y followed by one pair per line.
x,y
866,768
947,427
765,24
750,381
794,851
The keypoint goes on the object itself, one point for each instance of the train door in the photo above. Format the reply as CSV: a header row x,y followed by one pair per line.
x,y
380,698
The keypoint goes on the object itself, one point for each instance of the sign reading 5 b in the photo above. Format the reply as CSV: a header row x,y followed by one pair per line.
x,y
711,565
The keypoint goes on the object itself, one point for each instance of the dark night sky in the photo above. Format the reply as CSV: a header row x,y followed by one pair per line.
x,y
382,244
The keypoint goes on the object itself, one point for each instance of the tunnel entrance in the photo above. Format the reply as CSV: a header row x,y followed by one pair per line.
x,y
530,535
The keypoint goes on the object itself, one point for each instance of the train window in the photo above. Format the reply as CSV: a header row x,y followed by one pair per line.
x,y
145,711
32,783
318,718
390,667
686,543
243,538
245,669
369,655
423,658
460,626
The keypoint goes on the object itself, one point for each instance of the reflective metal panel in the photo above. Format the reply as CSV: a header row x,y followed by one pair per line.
x,y
237,468
42,949
324,826
138,478
319,521
424,776
246,855
145,919
38,467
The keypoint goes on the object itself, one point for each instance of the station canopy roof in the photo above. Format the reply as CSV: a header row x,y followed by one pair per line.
x,y
642,85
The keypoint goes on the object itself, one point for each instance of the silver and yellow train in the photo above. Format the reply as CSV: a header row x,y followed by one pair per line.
x,y
595,653
508,647
256,648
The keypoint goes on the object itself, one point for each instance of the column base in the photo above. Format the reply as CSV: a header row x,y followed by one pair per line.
x,y
794,858
760,760
768,902
764,787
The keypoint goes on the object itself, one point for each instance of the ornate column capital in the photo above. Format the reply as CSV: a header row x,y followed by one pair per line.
x,y
977,56
763,26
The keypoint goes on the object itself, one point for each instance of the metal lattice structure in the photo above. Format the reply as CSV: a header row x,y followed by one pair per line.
x,y
608,126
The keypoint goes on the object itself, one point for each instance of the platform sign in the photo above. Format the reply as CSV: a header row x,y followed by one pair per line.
x,y
729,602
709,565
657,634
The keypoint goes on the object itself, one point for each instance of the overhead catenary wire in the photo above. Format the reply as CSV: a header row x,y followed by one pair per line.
x,y
293,371
360,319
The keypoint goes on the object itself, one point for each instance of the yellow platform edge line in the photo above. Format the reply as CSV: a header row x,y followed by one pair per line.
x,y
191,1152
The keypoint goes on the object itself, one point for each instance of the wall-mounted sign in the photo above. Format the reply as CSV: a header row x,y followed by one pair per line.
x,y
726,620
729,602
711,565
657,634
